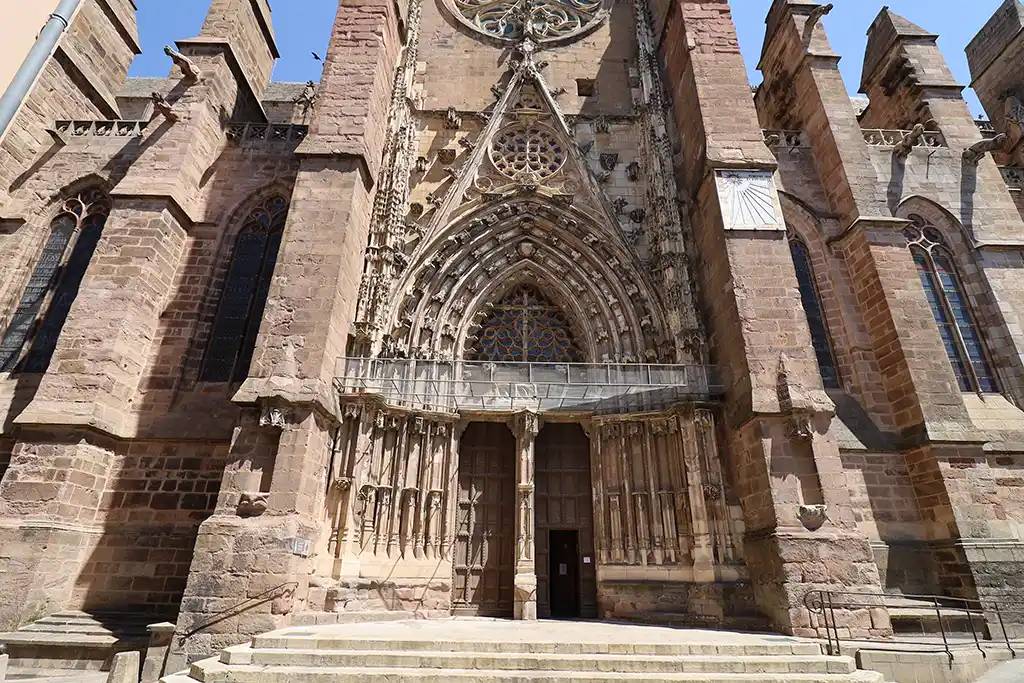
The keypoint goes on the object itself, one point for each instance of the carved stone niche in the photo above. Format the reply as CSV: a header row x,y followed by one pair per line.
x,y
446,155
633,171
273,417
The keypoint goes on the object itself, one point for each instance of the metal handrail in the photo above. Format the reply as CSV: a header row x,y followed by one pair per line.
x,y
260,598
825,603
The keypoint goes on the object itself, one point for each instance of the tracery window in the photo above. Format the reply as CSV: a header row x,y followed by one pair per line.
x,y
524,326
950,307
538,19
244,297
53,286
527,152
811,301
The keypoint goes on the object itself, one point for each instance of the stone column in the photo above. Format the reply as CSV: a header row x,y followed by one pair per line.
x,y
525,426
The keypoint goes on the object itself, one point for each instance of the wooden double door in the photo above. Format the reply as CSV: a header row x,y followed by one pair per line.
x,y
485,542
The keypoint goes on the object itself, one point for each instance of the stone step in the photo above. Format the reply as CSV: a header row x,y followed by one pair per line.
x,y
74,639
302,640
536,662
749,623
910,617
213,671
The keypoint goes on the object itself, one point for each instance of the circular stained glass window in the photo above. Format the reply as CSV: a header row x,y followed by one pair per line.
x,y
539,19
527,153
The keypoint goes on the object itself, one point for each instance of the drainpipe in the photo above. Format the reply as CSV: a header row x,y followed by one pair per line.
x,y
33,65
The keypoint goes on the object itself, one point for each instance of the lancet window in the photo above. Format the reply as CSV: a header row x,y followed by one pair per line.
x,y
525,326
950,308
244,297
811,301
31,336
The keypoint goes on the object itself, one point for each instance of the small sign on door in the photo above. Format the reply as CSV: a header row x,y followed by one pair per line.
x,y
563,570
586,560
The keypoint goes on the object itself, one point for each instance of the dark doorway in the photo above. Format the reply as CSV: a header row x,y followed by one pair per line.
x,y
484,564
563,573
564,505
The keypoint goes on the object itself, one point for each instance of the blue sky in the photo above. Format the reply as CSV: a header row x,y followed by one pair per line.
x,y
304,26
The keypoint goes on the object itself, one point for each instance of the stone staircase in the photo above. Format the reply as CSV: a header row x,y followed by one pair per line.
x,y
76,640
914,617
492,651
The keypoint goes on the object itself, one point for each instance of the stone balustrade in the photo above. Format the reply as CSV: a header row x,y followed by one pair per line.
x,y
266,132
988,130
1014,177
100,129
776,139
878,137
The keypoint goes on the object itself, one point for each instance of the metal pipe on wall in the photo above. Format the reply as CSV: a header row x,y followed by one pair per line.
x,y
33,65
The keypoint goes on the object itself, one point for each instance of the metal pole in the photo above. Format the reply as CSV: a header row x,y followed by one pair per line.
x,y
33,65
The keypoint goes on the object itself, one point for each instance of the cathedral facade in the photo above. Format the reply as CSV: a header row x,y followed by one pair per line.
x,y
527,309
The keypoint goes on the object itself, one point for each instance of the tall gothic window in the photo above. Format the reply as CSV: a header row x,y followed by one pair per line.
x,y
244,297
950,308
44,305
811,301
525,326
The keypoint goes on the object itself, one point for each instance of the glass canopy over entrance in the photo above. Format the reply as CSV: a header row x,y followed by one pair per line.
x,y
454,386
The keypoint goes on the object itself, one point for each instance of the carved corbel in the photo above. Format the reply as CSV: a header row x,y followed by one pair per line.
x,y
620,205
187,66
609,160
633,171
976,152
813,517
252,504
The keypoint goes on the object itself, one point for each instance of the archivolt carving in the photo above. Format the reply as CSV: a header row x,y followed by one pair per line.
x,y
591,276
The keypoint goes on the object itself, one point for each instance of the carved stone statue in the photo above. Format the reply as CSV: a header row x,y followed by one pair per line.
x,y
187,66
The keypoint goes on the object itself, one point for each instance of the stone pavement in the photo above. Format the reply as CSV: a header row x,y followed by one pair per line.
x,y
1007,672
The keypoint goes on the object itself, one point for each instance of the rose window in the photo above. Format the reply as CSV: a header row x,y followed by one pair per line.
x,y
527,153
538,19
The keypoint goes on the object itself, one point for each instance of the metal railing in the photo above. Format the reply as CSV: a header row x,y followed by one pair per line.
x,y
976,617
452,386
243,606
